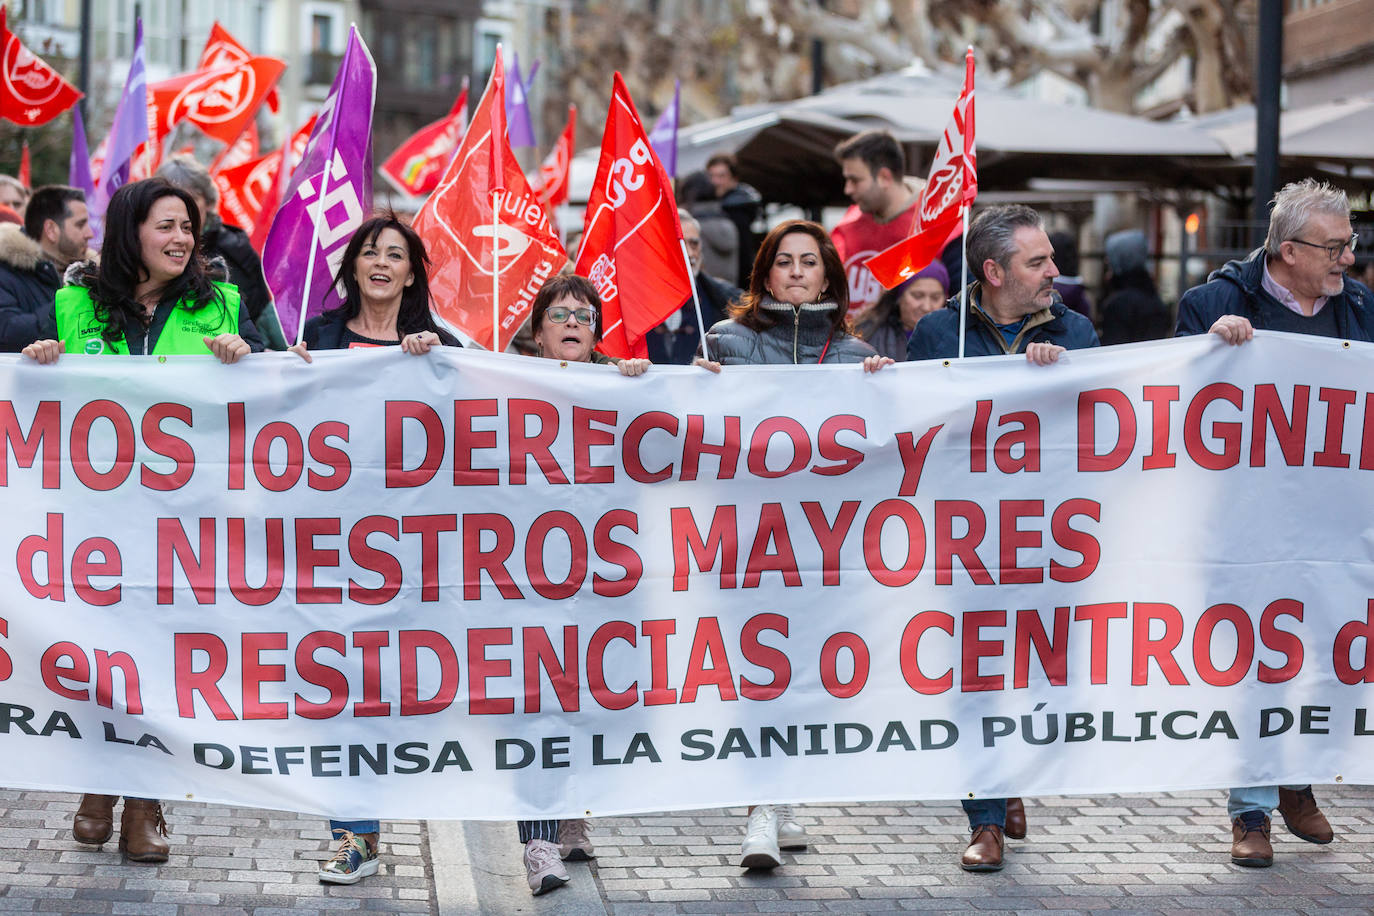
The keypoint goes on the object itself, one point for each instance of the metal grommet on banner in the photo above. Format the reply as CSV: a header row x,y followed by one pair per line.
x,y
946,363
563,364
1345,344
162,359
1340,778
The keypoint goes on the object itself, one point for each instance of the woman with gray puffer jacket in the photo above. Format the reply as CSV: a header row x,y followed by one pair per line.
x,y
793,313
794,310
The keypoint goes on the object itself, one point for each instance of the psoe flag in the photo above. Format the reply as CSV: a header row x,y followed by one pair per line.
x,y
329,196
631,238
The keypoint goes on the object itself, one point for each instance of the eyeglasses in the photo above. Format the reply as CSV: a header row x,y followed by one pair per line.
x,y
1334,252
558,314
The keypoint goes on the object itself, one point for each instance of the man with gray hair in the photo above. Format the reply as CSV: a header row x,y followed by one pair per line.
x,y
676,340
1296,283
1013,306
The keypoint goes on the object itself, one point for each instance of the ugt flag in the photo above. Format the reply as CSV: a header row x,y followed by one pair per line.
x,y
416,165
487,265
31,92
221,102
248,192
952,186
329,196
222,49
631,238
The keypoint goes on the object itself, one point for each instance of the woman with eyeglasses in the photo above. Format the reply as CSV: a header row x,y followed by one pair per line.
x,y
566,318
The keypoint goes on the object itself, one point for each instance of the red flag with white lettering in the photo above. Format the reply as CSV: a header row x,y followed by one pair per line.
x,y
31,92
556,168
244,149
952,186
418,163
631,238
222,50
220,102
468,245
248,192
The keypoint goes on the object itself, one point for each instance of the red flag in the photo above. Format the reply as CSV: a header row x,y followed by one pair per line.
x,y
220,102
554,172
952,186
223,50
248,192
457,226
244,149
631,239
31,92
416,165
25,167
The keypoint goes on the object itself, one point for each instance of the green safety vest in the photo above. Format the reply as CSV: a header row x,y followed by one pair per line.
x,y
183,334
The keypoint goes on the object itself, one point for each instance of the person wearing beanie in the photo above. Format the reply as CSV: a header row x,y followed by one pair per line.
x,y
888,325
1131,308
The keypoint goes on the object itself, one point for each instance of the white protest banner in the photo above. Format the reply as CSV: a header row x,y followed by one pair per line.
x,y
471,585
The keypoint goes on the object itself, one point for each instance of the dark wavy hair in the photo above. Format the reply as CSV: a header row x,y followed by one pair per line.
x,y
568,284
414,315
121,259
749,310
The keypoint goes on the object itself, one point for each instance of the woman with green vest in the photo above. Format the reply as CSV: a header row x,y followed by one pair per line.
x,y
152,293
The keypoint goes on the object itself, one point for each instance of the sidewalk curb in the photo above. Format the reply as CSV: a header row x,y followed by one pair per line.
x,y
477,869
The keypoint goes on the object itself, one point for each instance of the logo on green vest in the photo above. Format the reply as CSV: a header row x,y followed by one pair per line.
x,y
95,345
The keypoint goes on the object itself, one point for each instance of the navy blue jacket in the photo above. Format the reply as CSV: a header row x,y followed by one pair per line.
x,y
937,334
1235,289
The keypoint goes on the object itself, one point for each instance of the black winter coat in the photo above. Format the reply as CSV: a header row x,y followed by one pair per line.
x,y
937,334
1236,289
28,286
245,267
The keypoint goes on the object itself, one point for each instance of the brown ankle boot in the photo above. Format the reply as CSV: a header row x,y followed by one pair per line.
x,y
94,821
142,831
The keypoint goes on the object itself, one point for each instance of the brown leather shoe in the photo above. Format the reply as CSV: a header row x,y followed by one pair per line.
x,y
1016,819
1250,845
1302,817
984,851
94,821
142,831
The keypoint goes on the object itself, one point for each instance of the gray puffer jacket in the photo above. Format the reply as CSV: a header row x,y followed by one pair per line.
x,y
800,336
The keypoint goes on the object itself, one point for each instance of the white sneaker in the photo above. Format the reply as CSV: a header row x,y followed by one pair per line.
x,y
760,847
573,844
543,868
791,835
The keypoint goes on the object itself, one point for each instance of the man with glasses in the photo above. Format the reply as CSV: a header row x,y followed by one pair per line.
x,y
1296,282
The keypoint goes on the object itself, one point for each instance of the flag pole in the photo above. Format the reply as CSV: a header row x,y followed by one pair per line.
x,y
696,300
315,222
496,271
963,282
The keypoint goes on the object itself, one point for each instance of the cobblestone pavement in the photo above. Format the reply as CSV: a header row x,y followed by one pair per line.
x,y
1123,854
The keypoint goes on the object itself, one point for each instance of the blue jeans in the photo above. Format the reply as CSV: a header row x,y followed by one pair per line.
x,y
356,826
984,811
1263,799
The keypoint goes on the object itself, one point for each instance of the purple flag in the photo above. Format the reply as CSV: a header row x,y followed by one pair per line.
x,y
328,197
127,134
663,138
79,169
519,127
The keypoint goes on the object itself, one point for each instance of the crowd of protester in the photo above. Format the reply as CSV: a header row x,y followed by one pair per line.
x,y
172,278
